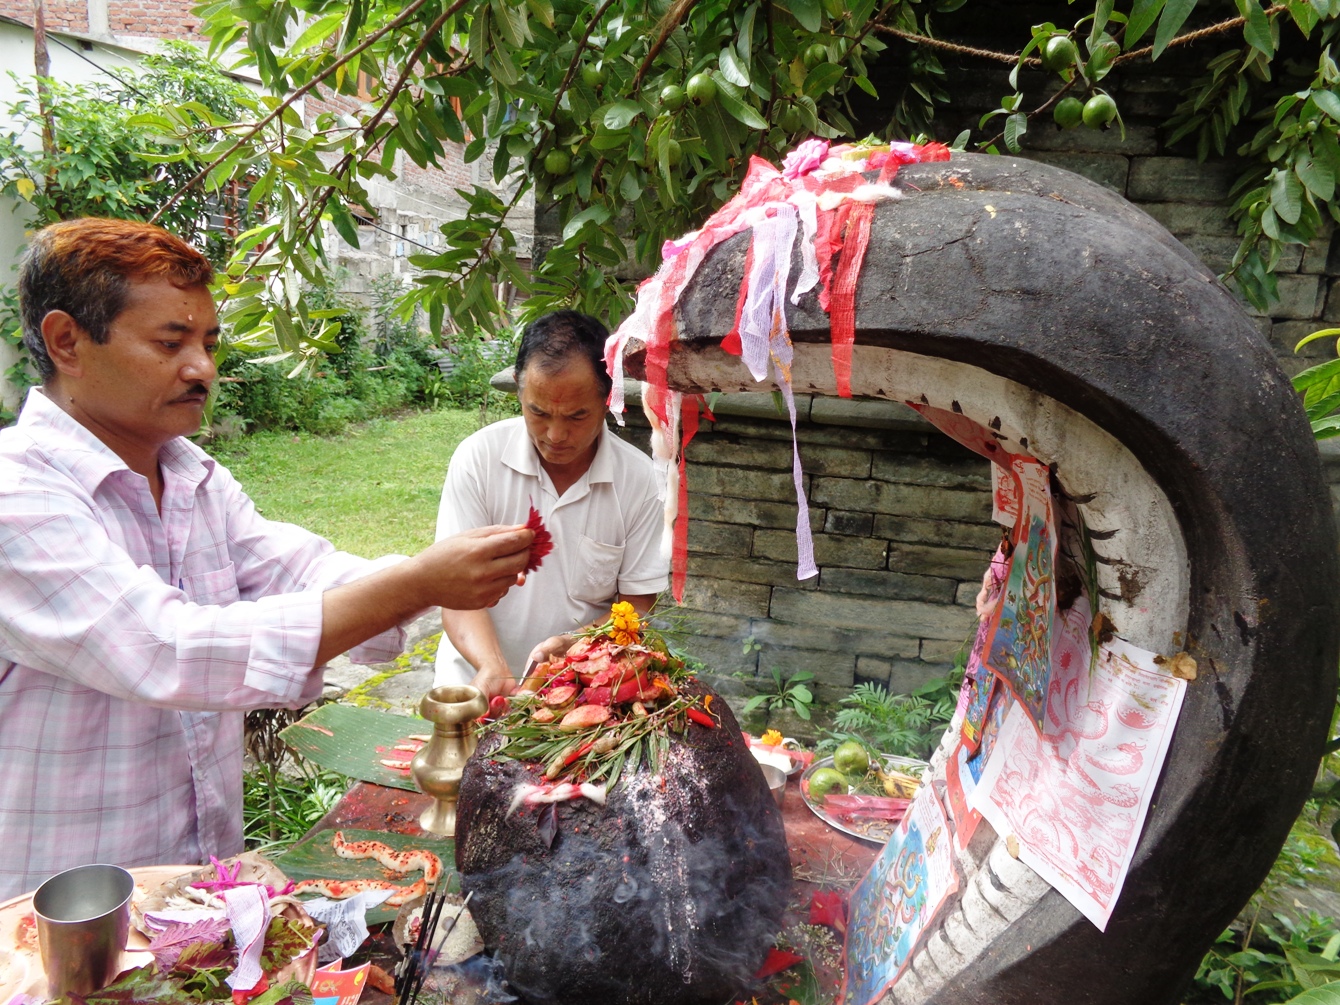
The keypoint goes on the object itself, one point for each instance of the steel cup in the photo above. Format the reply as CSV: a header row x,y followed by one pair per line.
x,y
776,778
83,918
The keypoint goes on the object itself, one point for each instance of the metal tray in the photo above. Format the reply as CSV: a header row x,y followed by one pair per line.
x,y
878,831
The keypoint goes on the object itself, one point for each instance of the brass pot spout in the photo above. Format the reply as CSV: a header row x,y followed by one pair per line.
x,y
437,767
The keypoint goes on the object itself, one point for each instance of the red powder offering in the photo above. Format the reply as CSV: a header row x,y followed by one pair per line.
x,y
543,543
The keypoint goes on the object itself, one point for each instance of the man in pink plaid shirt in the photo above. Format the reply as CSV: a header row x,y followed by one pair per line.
x,y
144,603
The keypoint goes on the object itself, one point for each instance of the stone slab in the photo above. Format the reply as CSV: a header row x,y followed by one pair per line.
x,y
1179,179
892,585
932,560
746,599
720,538
953,533
1108,170
902,500
902,617
750,512
749,570
829,549
971,472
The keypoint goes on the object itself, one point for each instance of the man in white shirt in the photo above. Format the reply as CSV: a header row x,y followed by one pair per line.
x,y
598,496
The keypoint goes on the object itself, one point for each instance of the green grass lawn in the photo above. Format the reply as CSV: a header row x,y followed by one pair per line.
x,y
372,490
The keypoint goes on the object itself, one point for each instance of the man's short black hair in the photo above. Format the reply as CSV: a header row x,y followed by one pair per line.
x,y
554,340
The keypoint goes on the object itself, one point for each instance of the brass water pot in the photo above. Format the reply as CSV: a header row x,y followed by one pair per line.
x,y
437,767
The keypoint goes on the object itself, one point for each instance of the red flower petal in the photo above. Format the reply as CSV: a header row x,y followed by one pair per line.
x,y
543,543
828,908
777,961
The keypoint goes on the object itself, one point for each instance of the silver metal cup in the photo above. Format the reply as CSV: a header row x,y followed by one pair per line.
x,y
776,781
83,918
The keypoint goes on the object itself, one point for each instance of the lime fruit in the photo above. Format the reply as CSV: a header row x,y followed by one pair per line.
x,y
815,54
792,121
1099,111
702,89
557,162
852,759
827,780
1069,112
1059,53
672,97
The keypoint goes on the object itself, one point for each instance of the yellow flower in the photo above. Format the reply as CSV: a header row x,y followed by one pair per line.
x,y
771,738
625,625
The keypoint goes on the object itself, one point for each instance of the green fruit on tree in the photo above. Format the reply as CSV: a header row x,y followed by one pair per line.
x,y
1059,53
827,780
851,758
672,97
557,162
1069,112
592,75
815,54
791,120
673,154
1099,111
702,89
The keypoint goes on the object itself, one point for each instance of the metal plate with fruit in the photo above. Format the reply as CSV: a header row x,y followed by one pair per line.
x,y
861,795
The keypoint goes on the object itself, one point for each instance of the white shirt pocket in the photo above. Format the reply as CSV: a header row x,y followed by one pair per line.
x,y
595,572
212,588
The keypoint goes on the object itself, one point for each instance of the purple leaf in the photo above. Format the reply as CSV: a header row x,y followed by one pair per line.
x,y
168,945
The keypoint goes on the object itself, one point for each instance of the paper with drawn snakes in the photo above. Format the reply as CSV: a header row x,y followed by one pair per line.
x,y
1021,627
1076,797
897,900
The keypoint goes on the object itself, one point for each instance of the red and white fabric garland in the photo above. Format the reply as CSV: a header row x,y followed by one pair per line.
x,y
822,197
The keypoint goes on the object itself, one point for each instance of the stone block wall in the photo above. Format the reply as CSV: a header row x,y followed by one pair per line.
x,y
901,518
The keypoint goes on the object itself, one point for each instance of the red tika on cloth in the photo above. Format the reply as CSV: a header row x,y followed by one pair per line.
x,y
822,198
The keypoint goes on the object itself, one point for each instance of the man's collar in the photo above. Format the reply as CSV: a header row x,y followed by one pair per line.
x,y
521,456
89,460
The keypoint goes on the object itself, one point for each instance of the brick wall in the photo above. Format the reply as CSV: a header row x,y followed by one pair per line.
x,y
901,518
61,15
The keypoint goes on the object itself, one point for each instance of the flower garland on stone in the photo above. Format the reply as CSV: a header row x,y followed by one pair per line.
x,y
821,196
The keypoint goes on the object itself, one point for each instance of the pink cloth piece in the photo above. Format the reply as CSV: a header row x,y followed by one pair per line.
x,y
807,157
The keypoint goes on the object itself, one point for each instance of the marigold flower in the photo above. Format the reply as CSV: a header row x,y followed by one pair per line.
x,y
626,627
771,738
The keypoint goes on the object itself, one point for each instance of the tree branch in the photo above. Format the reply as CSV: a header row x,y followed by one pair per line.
x,y
674,17
288,102
577,56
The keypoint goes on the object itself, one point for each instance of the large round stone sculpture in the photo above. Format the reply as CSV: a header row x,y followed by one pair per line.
x,y
1047,309
669,894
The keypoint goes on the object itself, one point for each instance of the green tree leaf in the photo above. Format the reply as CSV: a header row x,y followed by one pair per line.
x,y
1327,994
809,13
1175,13
1143,14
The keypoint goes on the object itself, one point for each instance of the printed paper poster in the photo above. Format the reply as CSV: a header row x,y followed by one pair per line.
x,y
959,786
1076,797
897,900
1005,496
1019,649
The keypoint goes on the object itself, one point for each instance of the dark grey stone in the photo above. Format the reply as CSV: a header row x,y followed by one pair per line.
x,y
1072,292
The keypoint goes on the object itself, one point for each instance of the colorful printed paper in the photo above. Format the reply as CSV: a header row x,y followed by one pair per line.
x,y
1076,797
897,900
333,986
1020,648
1005,495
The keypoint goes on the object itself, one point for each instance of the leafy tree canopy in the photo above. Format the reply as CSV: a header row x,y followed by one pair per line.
x,y
630,120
